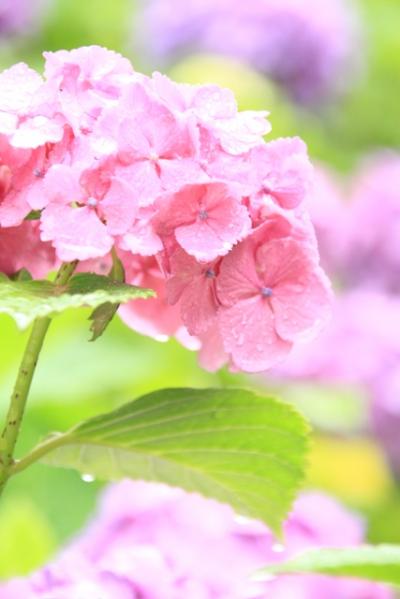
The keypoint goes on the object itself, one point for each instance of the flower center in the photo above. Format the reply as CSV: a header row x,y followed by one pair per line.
x,y
92,202
203,214
210,273
266,291
153,156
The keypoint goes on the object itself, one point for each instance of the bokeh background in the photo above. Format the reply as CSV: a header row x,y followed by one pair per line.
x,y
349,384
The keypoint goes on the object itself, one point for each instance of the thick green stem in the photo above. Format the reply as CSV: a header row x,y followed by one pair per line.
x,y
22,386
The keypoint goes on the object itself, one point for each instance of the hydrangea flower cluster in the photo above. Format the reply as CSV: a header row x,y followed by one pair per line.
x,y
150,541
197,205
304,46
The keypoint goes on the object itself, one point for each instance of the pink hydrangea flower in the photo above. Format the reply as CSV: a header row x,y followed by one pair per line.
x,y
152,541
21,247
181,184
207,219
268,288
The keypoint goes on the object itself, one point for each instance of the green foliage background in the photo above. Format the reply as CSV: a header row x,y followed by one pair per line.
x,y
43,507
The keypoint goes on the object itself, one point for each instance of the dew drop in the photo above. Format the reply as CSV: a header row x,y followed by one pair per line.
x,y
88,478
243,520
92,202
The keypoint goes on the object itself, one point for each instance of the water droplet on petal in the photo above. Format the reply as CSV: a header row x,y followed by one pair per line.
x,y
88,478
278,548
243,520
92,202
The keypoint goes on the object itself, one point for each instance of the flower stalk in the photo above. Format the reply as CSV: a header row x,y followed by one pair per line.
x,y
19,396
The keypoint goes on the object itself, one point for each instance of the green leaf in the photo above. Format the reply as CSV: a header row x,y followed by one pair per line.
x,y
379,563
22,275
103,315
232,445
33,215
101,318
26,300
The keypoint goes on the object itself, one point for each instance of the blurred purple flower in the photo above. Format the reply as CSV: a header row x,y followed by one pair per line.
x,y
372,256
17,16
361,342
307,46
150,541
329,214
359,244
385,415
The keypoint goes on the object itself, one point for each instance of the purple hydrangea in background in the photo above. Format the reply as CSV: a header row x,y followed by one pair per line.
x,y
359,242
307,46
385,414
151,542
372,256
358,346
17,16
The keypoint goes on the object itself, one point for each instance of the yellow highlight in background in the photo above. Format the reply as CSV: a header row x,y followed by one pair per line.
x,y
353,469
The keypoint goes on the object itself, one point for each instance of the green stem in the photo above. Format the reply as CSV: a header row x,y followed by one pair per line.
x,y
57,440
23,382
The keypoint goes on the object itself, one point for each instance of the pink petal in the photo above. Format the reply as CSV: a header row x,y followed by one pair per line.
x,y
248,332
301,314
18,86
61,184
119,207
37,131
141,239
154,316
76,233
212,355
238,278
208,219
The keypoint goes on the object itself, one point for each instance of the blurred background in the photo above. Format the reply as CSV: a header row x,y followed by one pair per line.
x,y
328,72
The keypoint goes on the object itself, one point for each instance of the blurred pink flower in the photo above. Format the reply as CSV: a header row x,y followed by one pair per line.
x,y
152,541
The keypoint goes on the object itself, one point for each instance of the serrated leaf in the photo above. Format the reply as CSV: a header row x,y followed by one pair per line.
x,y
238,447
26,300
380,563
